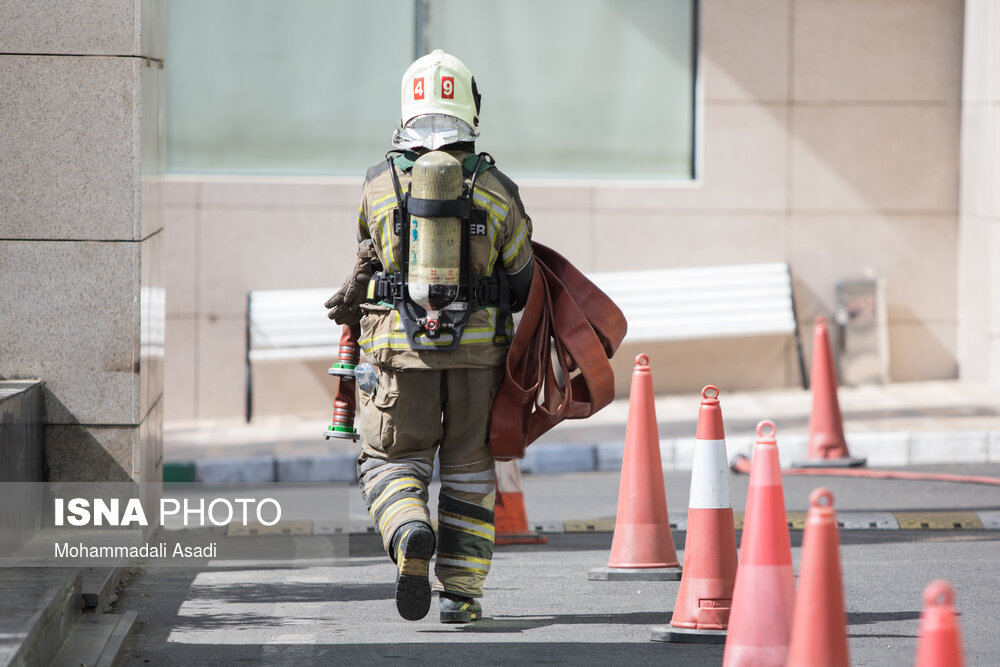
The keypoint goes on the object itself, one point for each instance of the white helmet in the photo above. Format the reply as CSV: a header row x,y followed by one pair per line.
x,y
439,83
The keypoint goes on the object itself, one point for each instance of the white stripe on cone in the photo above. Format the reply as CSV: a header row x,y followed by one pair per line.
x,y
710,476
508,476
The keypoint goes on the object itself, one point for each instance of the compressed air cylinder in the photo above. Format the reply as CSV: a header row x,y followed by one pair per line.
x,y
435,243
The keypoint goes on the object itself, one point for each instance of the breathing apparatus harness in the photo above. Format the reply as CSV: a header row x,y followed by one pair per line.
x,y
443,331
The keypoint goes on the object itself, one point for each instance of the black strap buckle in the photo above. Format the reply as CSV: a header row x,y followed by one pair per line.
x,y
487,292
439,208
387,287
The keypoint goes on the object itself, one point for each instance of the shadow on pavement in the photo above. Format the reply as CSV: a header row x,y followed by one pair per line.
x,y
279,592
866,617
503,624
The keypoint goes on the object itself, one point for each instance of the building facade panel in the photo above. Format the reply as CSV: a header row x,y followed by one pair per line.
x,y
68,141
887,51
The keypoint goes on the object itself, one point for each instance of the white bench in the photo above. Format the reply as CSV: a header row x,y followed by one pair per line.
x,y
288,324
660,305
705,302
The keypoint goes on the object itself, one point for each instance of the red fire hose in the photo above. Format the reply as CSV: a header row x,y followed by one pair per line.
x,y
741,464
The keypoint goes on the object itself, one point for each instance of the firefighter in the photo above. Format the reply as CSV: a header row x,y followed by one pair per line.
x,y
437,364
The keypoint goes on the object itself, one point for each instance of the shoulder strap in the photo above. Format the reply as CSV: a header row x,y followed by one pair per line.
x,y
374,172
511,188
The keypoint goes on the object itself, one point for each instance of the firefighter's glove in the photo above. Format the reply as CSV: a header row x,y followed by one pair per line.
x,y
345,304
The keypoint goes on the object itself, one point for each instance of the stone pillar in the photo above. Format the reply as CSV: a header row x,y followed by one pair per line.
x,y
979,230
82,146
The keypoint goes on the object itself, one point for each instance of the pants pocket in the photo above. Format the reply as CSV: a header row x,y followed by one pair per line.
x,y
378,416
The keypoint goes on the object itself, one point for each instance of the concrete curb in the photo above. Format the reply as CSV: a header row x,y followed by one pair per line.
x,y
969,521
890,448
320,468
317,468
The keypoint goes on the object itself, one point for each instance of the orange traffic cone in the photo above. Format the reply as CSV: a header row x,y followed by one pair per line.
x,y
760,622
701,613
819,622
510,519
939,640
827,446
642,547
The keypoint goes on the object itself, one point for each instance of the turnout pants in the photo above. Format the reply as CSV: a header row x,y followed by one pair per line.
x,y
412,415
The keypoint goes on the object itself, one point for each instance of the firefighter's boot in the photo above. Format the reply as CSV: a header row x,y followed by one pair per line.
x,y
413,546
459,609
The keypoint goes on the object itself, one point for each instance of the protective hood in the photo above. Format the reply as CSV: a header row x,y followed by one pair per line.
x,y
432,131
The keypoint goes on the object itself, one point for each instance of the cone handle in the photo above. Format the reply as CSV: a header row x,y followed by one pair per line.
x,y
710,391
766,430
642,360
821,498
939,594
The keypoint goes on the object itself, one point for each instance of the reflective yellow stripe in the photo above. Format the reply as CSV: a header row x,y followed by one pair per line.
x,y
395,508
362,224
393,487
467,563
385,240
459,523
393,341
380,208
490,203
469,559
511,249
486,526
497,211
494,230
383,203
396,340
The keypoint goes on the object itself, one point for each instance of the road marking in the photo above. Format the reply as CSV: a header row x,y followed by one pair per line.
x,y
590,526
938,521
931,520
867,521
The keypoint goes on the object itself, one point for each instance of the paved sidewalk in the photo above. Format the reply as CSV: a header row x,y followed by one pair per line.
x,y
539,604
899,424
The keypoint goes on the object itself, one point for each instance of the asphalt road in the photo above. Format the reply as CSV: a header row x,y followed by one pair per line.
x,y
540,607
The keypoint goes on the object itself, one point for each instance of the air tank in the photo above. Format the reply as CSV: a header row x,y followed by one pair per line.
x,y
435,243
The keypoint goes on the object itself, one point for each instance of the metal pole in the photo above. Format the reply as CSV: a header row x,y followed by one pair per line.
x,y
419,28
